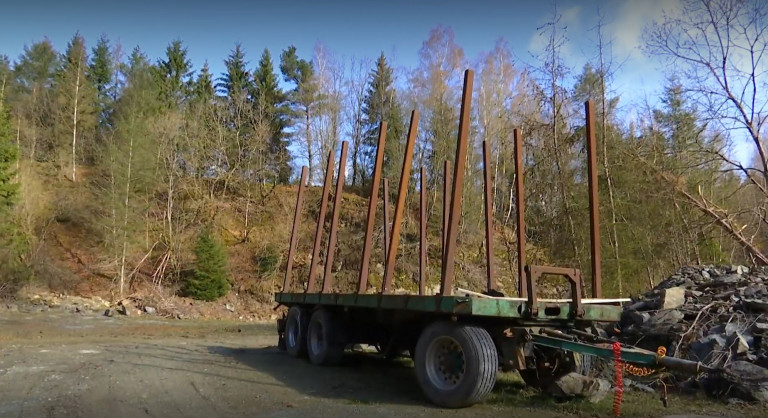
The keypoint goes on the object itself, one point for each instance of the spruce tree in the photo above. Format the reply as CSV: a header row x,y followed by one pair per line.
x,y
76,105
381,104
8,156
173,75
270,97
236,82
101,73
209,279
5,76
203,88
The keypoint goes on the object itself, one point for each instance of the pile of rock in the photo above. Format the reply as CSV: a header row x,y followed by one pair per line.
x,y
712,314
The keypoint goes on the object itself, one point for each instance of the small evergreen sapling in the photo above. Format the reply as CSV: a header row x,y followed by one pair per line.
x,y
209,280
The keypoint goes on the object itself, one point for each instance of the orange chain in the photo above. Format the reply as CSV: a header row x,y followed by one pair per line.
x,y
641,371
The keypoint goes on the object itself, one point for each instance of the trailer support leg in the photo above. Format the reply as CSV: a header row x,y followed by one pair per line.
x,y
522,287
295,229
492,286
594,209
333,238
402,191
362,281
446,279
320,223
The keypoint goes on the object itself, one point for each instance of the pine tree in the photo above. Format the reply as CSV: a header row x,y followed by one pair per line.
x,y
36,67
270,97
8,156
381,103
209,279
303,99
34,76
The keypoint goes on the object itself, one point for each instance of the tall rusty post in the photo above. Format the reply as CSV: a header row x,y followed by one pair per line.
x,y
423,233
320,223
594,204
386,229
488,189
362,281
522,289
446,204
446,276
333,238
295,228
402,191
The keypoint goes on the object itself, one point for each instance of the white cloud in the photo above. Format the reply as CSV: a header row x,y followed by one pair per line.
x,y
630,22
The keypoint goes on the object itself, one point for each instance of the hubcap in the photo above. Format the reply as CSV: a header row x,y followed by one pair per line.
x,y
446,363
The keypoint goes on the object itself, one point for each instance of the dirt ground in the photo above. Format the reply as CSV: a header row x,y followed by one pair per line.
x,y
64,364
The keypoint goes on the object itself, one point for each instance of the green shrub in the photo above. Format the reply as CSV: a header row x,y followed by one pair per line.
x,y
209,278
267,261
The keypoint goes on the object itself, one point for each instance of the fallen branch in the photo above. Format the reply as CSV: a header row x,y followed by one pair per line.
x,y
693,325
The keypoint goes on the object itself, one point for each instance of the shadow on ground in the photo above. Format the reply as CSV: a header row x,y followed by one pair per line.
x,y
363,379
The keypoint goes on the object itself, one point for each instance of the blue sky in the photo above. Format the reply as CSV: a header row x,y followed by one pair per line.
x,y
362,28
359,28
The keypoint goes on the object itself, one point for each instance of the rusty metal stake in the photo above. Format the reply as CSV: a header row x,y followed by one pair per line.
x,y
320,224
492,285
295,229
423,234
446,203
522,288
333,238
397,223
594,209
362,281
387,231
446,278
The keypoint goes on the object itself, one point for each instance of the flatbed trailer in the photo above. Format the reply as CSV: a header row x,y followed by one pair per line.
x,y
458,338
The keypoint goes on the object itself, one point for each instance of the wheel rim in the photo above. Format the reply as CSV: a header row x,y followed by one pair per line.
x,y
446,363
316,341
292,332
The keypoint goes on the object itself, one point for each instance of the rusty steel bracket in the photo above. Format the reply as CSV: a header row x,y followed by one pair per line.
x,y
534,273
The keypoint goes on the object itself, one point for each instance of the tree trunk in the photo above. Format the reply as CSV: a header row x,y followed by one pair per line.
x,y
125,216
74,122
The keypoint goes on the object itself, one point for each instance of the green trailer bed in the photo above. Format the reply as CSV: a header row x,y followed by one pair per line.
x,y
504,308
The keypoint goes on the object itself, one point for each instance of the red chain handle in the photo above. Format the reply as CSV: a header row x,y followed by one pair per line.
x,y
619,380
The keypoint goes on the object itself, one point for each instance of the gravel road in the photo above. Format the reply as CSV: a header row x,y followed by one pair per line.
x,y
61,364
87,365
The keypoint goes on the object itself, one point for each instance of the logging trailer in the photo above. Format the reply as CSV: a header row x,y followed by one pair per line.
x,y
458,338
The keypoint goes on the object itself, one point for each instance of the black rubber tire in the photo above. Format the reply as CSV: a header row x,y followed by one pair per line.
x,y
480,362
325,339
296,324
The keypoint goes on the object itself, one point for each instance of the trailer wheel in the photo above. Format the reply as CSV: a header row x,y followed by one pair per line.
x,y
325,339
455,364
296,331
